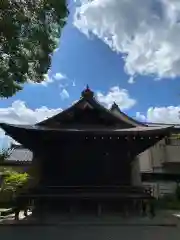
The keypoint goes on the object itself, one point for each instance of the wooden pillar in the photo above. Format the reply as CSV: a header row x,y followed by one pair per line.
x,y
126,209
151,208
34,171
144,208
71,209
99,209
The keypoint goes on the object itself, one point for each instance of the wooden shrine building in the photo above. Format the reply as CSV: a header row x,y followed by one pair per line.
x,y
86,153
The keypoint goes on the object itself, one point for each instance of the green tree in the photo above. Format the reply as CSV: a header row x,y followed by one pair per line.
x,y
5,153
29,32
12,183
13,180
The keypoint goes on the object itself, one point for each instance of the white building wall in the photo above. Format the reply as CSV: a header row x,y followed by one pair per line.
x,y
172,154
153,157
161,158
158,154
145,161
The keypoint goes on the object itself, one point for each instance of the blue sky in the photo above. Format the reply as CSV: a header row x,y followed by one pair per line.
x,y
82,60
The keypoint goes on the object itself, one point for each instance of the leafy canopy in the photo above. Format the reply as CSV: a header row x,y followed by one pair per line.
x,y
13,180
29,32
5,153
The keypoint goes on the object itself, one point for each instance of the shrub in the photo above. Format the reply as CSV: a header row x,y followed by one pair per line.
x,y
178,192
169,201
13,182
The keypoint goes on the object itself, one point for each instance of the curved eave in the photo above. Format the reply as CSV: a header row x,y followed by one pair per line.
x,y
126,119
123,117
35,138
11,129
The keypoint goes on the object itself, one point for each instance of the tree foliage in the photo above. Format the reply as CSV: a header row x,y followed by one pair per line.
x,y
13,180
29,31
5,153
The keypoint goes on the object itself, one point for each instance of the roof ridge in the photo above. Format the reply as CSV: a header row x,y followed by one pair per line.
x,y
116,107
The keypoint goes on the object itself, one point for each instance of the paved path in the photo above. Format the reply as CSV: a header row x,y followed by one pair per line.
x,y
91,232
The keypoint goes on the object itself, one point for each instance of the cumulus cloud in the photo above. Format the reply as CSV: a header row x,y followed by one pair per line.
x,y
50,78
64,94
145,32
74,84
131,80
19,113
63,85
115,94
59,76
169,114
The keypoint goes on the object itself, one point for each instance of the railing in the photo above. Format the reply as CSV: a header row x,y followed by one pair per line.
x,y
128,206
90,188
89,191
173,140
160,189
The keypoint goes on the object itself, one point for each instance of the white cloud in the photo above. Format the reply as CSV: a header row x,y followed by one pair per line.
x,y
74,102
59,76
63,85
64,94
131,80
74,84
19,113
169,114
62,78
49,78
146,32
115,94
